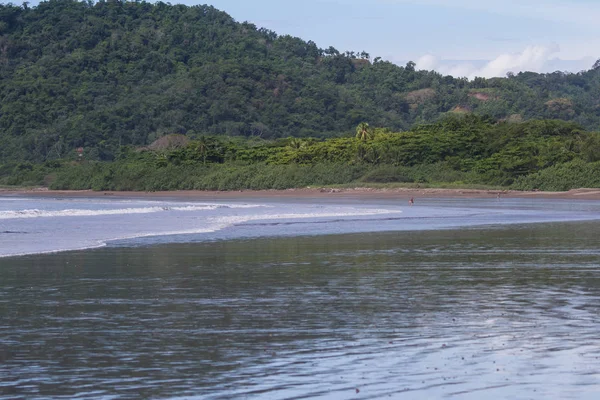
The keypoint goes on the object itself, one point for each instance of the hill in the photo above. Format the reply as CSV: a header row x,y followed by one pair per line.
x,y
112,73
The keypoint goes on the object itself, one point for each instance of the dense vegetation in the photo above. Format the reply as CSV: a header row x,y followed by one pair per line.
x,y
458,150
163,96
107,74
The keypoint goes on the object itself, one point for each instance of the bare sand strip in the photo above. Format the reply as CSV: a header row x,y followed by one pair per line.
x,y
359,192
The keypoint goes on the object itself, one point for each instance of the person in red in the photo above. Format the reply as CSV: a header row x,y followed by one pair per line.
x,y
411,201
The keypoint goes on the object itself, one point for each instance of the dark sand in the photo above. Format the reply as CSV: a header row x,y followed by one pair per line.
x,y
575,194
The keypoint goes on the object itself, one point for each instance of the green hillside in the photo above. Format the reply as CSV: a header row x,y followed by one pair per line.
x,y
109,74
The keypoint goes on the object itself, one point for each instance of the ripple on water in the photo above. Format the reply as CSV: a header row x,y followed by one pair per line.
x,y
489,313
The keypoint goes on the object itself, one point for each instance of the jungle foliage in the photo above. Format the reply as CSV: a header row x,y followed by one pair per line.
x,y
457,150
111,75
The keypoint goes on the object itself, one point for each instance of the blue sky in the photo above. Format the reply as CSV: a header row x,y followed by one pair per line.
x,y
457,37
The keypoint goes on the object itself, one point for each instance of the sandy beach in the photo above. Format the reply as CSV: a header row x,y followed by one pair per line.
x,y
575,194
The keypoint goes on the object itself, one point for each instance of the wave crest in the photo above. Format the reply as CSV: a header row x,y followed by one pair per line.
x,y
36,213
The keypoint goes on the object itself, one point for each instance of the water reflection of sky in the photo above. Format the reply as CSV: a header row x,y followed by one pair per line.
x,y
508,312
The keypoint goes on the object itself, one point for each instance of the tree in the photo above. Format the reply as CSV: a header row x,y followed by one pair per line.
x,y
202,148
364,132
296,143
114,73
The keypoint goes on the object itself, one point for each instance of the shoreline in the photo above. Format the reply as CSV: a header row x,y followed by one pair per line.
x,y
358,192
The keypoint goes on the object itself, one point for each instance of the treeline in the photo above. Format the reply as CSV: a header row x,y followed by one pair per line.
x,y
108,74
459,150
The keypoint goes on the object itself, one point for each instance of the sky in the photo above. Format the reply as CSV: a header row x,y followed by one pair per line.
x,y
463,38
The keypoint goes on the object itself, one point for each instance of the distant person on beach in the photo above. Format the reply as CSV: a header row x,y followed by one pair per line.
x,y
411,201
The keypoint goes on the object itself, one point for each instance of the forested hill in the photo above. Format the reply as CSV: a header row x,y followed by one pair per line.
x,y
112,73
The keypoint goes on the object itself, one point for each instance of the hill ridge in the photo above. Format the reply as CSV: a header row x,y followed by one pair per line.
x,y
112,73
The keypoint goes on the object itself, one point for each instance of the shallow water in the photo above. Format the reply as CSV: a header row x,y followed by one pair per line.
x,y
43,225
510,311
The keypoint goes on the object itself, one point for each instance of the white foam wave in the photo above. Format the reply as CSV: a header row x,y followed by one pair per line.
x,y
220,223
35,213
15,199
209,224
353,212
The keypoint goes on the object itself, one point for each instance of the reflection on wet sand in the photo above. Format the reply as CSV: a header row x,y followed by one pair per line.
x,y
510,312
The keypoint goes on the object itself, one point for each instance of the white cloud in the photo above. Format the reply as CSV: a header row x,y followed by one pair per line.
x,y
427,62
532,58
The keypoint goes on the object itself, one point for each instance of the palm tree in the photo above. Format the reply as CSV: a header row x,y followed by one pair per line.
x,y
296,143
364,132
202,148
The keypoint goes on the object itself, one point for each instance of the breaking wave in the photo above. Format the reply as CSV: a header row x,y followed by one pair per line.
x,y
35,213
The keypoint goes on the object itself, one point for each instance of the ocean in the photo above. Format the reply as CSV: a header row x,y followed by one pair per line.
x,y
44,224
271,298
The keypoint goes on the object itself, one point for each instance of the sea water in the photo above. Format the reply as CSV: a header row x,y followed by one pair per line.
x,y
42,225
291,299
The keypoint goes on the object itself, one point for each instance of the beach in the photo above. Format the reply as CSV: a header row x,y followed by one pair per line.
x,y
358,192
499,312
42,221
311,293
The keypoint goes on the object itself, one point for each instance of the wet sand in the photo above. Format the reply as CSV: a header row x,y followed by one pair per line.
x,y
464,314
359,192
